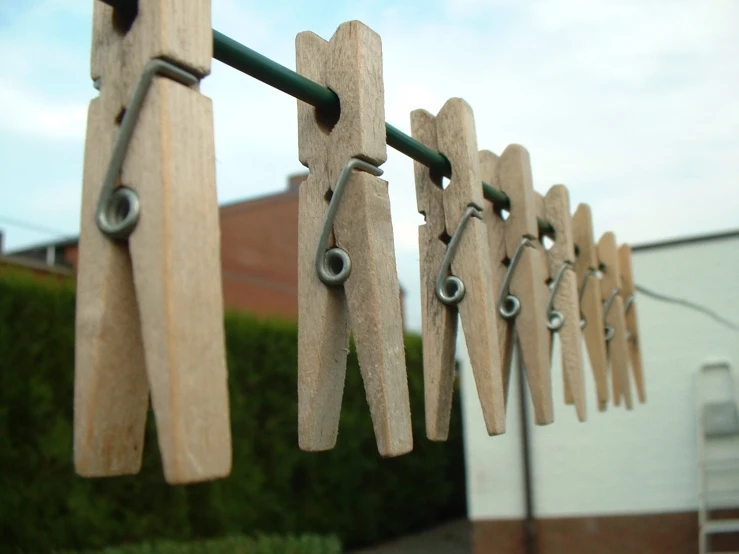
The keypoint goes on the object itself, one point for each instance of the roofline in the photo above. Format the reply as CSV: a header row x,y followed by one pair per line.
x,y
685,240
69,241
257,201
254,202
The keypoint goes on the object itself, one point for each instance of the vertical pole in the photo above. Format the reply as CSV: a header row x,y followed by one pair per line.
x,y
530,539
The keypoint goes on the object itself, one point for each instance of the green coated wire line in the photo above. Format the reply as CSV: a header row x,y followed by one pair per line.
x,y
254,64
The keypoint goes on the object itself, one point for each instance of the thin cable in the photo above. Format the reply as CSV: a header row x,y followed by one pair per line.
x,y
33,227
260,67
679,301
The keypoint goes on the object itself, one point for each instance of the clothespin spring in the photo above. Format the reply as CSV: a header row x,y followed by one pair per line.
x,y
118,208
450,288
508,305
334,265
588,274
627,306
555,319
607,308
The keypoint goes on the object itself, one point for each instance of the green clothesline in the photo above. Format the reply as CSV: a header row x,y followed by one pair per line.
x,y
260,67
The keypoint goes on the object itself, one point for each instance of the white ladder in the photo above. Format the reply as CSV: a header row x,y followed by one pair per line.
x,y
718,440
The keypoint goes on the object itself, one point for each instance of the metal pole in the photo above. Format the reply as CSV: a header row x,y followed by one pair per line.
x,y
530,536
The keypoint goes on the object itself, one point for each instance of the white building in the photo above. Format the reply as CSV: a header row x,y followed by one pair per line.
x,y
623,481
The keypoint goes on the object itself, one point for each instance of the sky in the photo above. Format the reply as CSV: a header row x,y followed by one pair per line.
x,y
631,104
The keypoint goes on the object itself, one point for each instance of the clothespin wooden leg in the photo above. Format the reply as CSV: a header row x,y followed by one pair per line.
x,y
343,154
591,306
496,240
111,392
629,292
323,320
615,320
563,304
462,280
149,294
524,301
439,320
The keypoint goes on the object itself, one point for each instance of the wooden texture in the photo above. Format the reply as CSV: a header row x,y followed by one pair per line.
x,y
618,354
111,393
323,320
591,304
529,281
496,242
457,140
439,321
455,137
634,344
556,210
152,310
351,65
169,29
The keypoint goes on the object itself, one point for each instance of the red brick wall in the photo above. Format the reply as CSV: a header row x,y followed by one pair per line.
x,y
259,254
71,255
640,534
259,241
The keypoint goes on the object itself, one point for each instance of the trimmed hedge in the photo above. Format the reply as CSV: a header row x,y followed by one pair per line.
x,y
274,487
265,544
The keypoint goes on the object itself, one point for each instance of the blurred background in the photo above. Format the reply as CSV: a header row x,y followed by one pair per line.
x,y
632,105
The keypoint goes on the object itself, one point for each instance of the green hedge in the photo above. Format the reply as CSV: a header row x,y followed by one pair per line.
x,y
274,487
306,544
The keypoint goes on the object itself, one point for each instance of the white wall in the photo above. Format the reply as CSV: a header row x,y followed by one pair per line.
x,y
618,461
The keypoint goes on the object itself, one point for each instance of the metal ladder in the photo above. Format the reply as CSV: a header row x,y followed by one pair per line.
x,y
718,440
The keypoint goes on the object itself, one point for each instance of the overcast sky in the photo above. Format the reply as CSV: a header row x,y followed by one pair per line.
x,y
633,105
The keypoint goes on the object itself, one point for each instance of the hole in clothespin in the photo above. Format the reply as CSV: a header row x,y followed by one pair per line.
x,y
438,178
120,116
577,251
547,242
504,214
327,119
444,237
329,195
124,17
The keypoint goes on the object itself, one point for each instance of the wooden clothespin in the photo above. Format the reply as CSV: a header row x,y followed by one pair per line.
x,y
520,275
629,294
591,306
346,261
495,226
149,298
455,270
563,306
615,320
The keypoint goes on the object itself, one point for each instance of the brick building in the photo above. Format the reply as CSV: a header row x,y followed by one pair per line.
x,y
259,254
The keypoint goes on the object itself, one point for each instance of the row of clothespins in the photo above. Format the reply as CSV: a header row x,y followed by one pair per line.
x,y
492,271
149,315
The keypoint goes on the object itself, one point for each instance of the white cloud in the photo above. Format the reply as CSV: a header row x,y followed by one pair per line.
x,y
631,104
31,113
